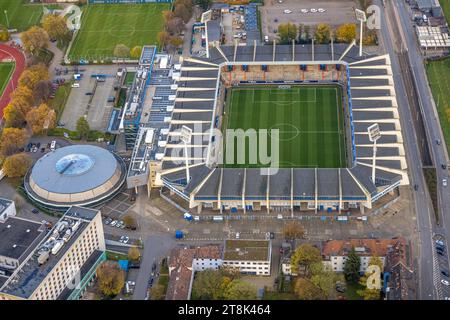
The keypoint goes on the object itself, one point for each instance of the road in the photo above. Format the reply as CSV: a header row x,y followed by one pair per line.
x,y
156,247
430,263
391,39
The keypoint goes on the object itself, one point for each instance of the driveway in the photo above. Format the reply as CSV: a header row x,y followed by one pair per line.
x,y
156,247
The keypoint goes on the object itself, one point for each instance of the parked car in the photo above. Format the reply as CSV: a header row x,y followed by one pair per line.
x,y
445,273
35,211
108,221
416,187
321,10
313,10
126,239
287,11
440,243
445,282
444,182
304,11
113,223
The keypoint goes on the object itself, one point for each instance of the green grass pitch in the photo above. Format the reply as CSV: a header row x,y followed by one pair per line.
x,y
20,15
309,119
103,26
6,70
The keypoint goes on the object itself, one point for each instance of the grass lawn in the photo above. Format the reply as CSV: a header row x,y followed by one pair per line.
x,y
103,26
115,256
309,120
6,70
60,99
439,78
21,16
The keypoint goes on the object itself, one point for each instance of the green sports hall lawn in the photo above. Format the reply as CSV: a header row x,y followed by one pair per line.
x,y
103,26
6,69
309,119
439,78
21,15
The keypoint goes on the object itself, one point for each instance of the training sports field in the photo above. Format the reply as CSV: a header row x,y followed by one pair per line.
x,y
309,120
21,15
103,26
6,70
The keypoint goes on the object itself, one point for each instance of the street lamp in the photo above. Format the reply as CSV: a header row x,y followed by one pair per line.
x,y
361,17
186,134
6,15
374,135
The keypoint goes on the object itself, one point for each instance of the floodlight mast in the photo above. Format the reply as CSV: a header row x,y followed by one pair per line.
x,y
361,17
186,134
374,135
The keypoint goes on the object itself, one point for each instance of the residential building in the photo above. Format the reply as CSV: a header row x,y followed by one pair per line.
x,y
399,278
184,262
249,256
335,252
7,209
63,263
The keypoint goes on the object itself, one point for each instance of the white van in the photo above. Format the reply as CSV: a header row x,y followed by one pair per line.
x,y
75,85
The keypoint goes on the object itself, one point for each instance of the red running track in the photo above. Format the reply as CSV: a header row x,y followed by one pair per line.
x,y
7,52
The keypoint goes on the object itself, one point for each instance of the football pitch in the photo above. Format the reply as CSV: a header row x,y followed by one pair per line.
x,y
20,15
309,119
6,70
103,26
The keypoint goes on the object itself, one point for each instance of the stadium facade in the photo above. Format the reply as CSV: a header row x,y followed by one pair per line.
x,y
82,175
199,85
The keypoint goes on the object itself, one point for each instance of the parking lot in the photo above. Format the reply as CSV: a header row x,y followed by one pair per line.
x,y
89,97
334,13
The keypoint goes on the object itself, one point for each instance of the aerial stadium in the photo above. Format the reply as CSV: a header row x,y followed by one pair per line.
x,y
83,175
322,99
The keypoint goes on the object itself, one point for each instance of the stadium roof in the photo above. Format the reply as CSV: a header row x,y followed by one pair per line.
x,y
373,100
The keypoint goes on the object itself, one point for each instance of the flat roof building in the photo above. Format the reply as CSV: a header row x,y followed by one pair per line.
x,y
249,256
81,175
63,263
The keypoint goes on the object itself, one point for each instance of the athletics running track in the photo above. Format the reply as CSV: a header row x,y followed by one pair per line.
x,y
7,52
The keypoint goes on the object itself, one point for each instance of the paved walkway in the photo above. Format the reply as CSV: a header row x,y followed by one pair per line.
x,y
19,58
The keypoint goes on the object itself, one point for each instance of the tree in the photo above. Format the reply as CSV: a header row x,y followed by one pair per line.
x,y
129,221
325,279
134,254
41,118
34,39
182,12
121,51
287,32
306,290
83,127
135,52
162,38
157,292
12,140
307,32
305,255
293,230
175,26
110,278
23,92
240,290
17,165
352,266
176,41
204,4
371,293
4,34
323,33
42,91
15,112
56,27
208,285
167,15
346,32
31,76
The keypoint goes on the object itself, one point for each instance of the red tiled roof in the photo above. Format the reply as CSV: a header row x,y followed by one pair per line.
x,y
378,247
180,264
